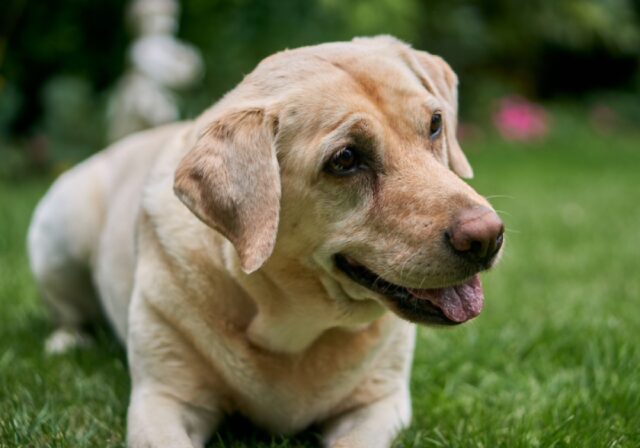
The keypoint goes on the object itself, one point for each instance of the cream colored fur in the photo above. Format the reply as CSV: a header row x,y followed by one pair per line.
x,y
209,244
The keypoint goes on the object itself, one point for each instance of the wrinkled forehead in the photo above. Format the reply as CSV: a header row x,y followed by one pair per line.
x,y
380,89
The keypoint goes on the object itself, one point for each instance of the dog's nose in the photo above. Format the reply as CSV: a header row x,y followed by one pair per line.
x,y
477,233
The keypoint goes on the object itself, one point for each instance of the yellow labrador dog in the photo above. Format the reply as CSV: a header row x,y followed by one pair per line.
x,y
271,256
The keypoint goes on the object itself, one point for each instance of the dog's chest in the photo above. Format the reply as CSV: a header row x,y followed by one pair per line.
x,y
287,393
289,405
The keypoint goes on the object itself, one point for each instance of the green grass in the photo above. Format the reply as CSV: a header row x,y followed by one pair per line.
x,y
554,359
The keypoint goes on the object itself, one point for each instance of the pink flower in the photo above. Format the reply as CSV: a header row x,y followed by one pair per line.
x,y
518,119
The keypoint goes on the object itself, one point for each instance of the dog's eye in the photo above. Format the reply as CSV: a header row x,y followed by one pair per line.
x,y
344,162
436,124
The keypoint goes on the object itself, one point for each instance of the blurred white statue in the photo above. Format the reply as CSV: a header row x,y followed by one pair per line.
x,y
158,63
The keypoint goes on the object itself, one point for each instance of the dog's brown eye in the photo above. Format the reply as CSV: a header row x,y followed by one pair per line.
x,y
343,162
436,124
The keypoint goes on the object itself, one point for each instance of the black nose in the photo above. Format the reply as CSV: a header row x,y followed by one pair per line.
x,y
477,234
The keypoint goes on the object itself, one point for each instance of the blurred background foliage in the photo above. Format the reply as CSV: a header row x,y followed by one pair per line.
x,y
59,61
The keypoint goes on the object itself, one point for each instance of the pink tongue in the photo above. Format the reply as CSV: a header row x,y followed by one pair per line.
x,y
459,303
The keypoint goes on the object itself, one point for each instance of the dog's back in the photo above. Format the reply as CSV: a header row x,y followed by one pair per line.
x,y
82,232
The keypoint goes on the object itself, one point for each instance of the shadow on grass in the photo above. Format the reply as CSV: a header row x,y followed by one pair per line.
x,y
237,431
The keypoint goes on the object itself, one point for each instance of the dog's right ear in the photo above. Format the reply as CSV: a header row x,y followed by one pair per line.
x,y
230,180
444,84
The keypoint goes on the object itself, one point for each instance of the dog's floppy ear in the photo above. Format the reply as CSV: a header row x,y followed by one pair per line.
x,y
444,84
230,180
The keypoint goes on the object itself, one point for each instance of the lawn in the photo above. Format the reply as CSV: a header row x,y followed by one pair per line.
x,y
553,360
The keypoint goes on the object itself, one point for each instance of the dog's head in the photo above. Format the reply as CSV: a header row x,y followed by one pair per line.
x,y
342,159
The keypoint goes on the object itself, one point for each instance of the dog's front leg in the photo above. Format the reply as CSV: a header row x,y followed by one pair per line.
x,y
171,405
375,425
156,419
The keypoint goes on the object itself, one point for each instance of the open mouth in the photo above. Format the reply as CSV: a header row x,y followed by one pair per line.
x,y
451,305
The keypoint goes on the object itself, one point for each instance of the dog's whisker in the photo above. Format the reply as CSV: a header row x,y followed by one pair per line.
x,y
503,212
407,261
421,282
500,196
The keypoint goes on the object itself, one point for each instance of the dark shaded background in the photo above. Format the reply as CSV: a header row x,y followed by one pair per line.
x,y
60,60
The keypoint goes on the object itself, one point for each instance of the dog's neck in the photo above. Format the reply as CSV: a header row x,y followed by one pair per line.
x,y
291,316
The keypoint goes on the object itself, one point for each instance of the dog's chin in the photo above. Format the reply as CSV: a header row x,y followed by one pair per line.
x,y
449,305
